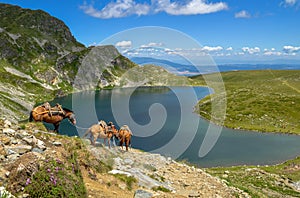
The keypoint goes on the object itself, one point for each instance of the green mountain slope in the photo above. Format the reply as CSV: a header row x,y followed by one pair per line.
x,y
40,59
262,100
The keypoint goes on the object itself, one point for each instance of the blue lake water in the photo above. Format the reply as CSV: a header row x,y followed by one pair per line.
x,y
162,121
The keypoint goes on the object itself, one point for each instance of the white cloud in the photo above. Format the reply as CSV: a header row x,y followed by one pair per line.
x,y
212,49
272,53
123,44
251,50
290,2
192,7
290,49
153,44
118,9
229,49
242,14
124,8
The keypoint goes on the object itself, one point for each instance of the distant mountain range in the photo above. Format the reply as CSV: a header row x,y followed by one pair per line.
x,y
190,70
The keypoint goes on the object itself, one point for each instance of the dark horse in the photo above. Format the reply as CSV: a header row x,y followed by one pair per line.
x,y
40,113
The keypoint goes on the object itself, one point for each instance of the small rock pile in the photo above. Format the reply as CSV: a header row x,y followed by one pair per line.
x,y
20,154
16,142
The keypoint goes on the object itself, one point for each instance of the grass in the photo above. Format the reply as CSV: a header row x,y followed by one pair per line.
x,y
263,181
55,179
160,188
262,100
128,180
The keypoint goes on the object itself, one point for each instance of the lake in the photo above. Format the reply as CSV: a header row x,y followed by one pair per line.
x,y
162,121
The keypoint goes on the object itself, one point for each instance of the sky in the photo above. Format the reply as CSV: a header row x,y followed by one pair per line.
x,y
229,31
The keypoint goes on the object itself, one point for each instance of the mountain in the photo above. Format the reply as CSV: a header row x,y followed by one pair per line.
x,y
40,59
184,69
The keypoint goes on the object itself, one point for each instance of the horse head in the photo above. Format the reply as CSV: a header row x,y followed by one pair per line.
x,y
70,115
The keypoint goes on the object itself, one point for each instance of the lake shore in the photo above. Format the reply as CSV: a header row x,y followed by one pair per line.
x,y
262,101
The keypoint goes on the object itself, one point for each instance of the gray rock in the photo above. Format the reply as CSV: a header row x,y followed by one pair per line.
x,y
57,143
37,150
8,131
142,194
21,134
7,123
128,161
20,149
29,140
40,144
13,157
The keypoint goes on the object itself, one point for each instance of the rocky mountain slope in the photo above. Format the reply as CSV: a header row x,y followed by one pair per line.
x,y
36,163
40,59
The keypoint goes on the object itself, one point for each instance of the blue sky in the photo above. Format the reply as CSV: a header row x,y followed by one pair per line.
x,y
249,31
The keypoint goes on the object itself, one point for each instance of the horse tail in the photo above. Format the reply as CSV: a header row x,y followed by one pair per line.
x,y
30,117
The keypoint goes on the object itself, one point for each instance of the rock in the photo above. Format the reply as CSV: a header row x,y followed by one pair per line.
x,y
13,157
123,186
128,161
142,194
194,194
120,172
37,150
41,145
20,149
5,193
21,134
3,151
5,140
29,140
7,124
8,131
57,143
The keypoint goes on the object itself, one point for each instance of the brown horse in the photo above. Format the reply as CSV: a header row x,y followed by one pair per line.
x,y
40,114
124,135
99,130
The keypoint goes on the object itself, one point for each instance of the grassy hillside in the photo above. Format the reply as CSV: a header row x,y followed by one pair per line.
x,y
263,100
263,181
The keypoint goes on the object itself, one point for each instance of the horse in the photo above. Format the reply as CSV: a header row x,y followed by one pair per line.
x,y
124,135
99,130
40,114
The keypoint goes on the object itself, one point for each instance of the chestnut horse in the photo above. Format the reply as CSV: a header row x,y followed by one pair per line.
x,y
124,135
40,114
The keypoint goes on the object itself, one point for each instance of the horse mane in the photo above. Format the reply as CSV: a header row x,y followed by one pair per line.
x,y
68,110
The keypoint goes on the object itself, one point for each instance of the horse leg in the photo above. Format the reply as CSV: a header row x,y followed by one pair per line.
x,y
121,143
56,125
127,143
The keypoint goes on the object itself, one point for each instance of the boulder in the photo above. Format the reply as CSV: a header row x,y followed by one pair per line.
x,y
142,194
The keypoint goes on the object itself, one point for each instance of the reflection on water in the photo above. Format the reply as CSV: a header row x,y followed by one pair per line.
x,y
232,148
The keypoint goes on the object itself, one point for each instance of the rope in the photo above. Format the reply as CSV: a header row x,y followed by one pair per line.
x,y
78,127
